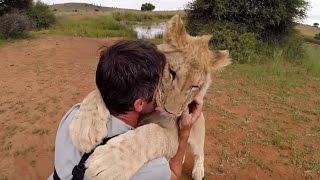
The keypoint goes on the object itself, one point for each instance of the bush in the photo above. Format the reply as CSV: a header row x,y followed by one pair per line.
x,y
147,7
317,36
241,44
293,50
252,30
268,19
14,25
10,6
41,15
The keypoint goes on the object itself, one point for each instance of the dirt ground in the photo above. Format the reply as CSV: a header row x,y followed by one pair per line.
x,y
248,136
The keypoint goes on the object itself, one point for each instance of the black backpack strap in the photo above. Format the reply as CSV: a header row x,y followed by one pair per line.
x,y
79,170
55,175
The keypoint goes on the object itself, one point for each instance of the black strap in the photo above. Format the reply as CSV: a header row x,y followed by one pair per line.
x,y
79,170
55,175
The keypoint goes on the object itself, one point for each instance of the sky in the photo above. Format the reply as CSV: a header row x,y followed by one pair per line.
x,y
313,12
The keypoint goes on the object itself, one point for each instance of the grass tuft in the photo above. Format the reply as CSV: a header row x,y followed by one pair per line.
x,y
40,131
312,61
100,26
261,163
24,151
144,17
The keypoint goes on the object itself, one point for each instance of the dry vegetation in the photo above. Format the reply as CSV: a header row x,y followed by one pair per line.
x,y
308,30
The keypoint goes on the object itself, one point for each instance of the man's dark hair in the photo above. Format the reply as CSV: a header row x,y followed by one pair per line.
x,y
127,71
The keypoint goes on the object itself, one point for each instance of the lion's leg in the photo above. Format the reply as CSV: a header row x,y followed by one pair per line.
x,y
123,155
196,141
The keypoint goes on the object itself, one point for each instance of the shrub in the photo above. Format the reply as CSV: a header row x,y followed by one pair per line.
x,y
251,30
147,7
269,19
41,15
14,25
9,6
293,50
241,44
317,36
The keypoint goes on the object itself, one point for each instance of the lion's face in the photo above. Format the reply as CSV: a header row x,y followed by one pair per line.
x,y
190,63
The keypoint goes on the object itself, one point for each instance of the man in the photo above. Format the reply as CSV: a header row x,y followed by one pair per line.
x,y
127,77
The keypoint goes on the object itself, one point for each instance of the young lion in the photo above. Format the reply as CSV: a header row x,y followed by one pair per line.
x,y
187,75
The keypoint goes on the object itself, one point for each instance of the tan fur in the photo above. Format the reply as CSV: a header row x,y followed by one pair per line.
x,y
88,127
192,61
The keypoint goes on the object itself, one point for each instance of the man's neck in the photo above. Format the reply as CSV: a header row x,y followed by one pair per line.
x,y
130,118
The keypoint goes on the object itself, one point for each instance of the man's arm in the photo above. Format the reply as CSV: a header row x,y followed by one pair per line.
x,y
188,118
176,162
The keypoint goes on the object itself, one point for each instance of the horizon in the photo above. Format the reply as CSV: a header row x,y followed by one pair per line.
x,y
313,14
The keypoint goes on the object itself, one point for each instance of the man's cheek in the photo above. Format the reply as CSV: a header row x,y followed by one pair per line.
x,y
149,108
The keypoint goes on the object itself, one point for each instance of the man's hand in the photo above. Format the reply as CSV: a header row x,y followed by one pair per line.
x,y
190,115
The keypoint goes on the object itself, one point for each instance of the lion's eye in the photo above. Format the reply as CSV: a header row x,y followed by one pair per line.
x,y
195,87
172,74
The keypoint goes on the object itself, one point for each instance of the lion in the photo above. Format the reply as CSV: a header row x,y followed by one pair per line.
x,y
186,76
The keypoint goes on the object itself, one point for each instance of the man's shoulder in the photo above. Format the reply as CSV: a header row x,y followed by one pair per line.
x,y
66,154
70,113
155,169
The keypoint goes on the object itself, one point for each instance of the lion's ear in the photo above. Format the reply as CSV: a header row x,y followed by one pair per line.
x,y
175,33
221,60
206,38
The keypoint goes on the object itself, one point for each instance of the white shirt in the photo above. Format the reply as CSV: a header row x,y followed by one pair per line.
x,y
67,155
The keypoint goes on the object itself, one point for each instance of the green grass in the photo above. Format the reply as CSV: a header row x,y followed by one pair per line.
x,y
144,17
40,131
315,129
80,7
2,41
25,150
33,163
260,162
100,26
3,177
312,61
282,115
310,164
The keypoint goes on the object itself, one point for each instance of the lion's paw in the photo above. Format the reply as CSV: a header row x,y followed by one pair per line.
x,y
198,171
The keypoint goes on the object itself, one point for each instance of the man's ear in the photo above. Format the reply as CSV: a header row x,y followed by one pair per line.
x,y
138,105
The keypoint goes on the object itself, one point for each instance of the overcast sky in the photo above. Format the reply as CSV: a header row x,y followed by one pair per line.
x,y
313,13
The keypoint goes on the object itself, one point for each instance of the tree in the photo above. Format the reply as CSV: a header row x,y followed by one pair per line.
x,y
147,7
7,6
41,15
267,18
316,24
